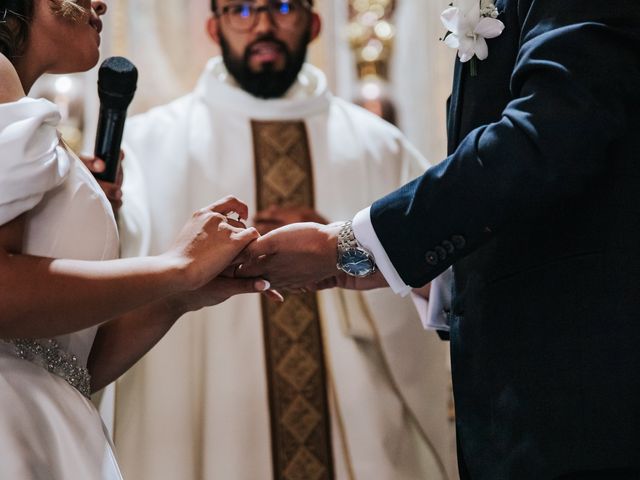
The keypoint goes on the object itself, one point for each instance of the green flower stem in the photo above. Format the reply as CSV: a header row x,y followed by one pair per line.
x,y
473,66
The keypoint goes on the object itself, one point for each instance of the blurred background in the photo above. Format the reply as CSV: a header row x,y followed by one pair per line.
x,y
383,54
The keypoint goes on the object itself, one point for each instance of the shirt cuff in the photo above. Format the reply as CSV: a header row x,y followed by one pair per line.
x,y
434,315
422,306
433,312
366,236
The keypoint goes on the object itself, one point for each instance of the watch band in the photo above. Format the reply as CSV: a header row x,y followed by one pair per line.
x,y
347,242
346,237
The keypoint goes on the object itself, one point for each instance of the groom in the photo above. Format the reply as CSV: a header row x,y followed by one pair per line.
x,y
537,208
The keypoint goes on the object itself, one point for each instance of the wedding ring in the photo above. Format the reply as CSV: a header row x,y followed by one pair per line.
x,y
235,270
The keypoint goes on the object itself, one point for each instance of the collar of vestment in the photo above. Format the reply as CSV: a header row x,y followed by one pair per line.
x,y
309,95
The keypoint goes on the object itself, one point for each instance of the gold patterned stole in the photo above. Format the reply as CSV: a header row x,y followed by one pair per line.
x,y
296,372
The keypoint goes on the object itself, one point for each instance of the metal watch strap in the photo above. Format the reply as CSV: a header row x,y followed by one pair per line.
x,y
348,241
346,237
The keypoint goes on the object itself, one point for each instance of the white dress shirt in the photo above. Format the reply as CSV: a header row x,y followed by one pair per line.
x,y
433,312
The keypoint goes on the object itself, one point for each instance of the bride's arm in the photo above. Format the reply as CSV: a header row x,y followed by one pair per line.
x,y
43,297
122,342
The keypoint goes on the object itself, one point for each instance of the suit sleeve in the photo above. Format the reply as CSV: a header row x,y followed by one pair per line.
x,y
573,85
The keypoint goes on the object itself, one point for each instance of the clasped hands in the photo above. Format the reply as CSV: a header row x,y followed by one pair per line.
x,y
295,249
300,257
293,257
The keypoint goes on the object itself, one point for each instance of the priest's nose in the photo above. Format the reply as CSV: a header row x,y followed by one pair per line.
x,y
264,23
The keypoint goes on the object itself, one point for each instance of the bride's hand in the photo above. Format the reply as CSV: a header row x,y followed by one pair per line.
x,y
217,291
210,241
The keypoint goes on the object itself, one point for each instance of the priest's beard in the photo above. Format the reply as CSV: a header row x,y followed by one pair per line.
x,y
267,83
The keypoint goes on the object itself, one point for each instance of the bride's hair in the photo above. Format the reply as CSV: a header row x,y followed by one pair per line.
x,y
15,20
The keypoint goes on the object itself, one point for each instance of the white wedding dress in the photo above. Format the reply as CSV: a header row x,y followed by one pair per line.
x,y
49,429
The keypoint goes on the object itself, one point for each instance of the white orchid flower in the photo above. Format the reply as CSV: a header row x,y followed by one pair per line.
x,y
469,30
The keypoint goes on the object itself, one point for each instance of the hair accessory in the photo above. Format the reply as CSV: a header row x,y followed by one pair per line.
x,y
8,7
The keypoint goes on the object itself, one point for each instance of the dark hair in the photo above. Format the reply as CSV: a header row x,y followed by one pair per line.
x,y
14,28
214,4
16,22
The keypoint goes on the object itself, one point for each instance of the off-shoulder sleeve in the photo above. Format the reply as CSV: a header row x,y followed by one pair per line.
x,y
32,162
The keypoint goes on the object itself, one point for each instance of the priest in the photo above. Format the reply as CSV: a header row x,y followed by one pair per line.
x,y
335,385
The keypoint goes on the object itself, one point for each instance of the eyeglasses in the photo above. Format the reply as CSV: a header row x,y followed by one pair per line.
x,y
243,16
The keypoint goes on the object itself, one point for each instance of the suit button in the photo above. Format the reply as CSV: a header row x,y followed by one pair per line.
x,y
448,246
441,252
458,241
432,258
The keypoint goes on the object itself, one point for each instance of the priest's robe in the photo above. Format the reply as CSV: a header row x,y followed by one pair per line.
x,y
196,406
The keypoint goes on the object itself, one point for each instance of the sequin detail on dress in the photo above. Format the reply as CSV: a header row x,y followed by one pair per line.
x,y
49,355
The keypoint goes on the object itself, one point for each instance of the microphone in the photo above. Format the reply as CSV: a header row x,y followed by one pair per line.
x,y
117,79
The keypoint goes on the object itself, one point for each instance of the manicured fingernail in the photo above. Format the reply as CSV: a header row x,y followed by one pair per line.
x,y
262,285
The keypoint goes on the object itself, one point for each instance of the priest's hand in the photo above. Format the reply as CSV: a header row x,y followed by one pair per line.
x,y
275,217
113,191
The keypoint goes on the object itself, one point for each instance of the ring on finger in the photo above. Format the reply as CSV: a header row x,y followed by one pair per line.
x,y
236,269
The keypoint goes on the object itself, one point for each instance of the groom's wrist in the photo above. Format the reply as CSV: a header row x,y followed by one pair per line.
x,y
331,232
366,235
352,258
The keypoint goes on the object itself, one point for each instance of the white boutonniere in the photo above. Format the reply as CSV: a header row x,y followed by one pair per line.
x,y
469,23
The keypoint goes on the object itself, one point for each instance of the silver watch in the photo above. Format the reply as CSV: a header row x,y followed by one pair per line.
x,y
352,258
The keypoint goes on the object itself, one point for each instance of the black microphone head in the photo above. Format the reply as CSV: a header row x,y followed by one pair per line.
x,y
117,80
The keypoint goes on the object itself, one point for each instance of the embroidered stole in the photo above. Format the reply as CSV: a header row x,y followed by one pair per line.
x,y
296,371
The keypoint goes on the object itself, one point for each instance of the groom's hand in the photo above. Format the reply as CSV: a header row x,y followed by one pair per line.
x,y
276,217
293,257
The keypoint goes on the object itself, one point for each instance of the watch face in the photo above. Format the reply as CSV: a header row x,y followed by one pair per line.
x,y
356,263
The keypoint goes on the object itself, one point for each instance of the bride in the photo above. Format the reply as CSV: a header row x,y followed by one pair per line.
x,y
72,318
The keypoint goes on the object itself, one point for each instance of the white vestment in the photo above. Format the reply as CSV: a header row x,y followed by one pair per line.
x,y
196,407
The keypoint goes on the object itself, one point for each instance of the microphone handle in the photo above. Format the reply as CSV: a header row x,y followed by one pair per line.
x,y
108,141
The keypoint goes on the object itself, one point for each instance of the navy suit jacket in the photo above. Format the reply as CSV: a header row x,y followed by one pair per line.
x,y
538,209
